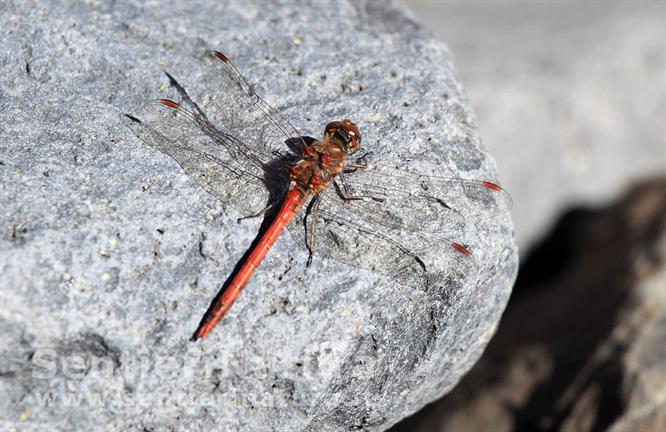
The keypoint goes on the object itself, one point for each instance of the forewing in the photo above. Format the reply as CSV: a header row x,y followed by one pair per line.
x,y
419,203
238,109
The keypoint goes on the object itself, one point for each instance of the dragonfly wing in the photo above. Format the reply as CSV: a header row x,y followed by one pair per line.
x,y
393,210
211,157
234,103
424,212
417,202
346,236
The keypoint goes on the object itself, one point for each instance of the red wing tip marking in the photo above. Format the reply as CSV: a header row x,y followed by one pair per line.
x,y
461,249
492,186
220,56
169,103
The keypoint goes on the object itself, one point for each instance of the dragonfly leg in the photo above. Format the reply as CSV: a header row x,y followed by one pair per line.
x,y
311,226
345,193
359,164
259,213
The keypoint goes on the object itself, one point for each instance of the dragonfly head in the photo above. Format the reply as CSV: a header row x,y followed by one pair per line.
x,y
345,132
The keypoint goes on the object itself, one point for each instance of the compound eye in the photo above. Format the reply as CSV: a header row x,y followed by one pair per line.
x,y
353,140
342,134
331,129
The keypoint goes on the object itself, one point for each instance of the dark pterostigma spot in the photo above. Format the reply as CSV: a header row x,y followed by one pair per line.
x,y
134,119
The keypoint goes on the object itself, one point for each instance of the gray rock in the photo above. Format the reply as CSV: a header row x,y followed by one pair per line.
x,y
109,253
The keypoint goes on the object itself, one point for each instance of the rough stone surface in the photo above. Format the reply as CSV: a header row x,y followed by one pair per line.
x,y
109,254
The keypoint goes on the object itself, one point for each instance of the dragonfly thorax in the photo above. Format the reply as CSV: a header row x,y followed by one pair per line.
x,y
345,132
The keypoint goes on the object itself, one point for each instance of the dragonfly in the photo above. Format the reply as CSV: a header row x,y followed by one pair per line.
x,y
325,192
